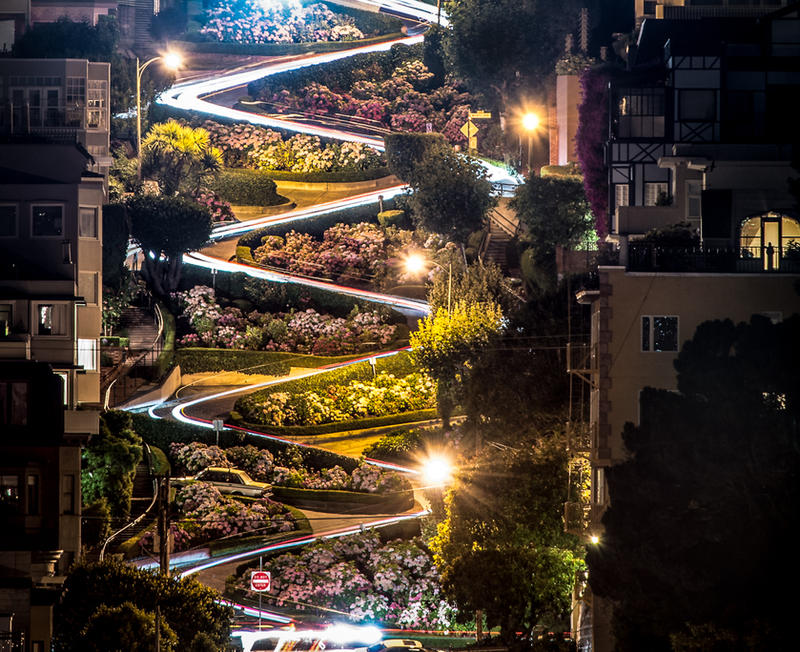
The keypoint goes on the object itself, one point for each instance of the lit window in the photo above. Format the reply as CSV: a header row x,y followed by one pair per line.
x,y
87,354
6,314
52,319
654,191
659,333
48,220
621,194
88,222
9,493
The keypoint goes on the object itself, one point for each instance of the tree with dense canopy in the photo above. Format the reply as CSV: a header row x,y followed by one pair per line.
x,y
702,522
502,548
446,341
451,193
500,45
189,608
166,228
179,157
109,463
126,628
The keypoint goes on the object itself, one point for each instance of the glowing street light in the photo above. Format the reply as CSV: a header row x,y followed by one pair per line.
x,y
530,123
172,61
437,470
594,539
416,263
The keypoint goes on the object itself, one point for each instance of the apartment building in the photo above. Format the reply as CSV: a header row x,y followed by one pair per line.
x,y
699,132
58,99
51,198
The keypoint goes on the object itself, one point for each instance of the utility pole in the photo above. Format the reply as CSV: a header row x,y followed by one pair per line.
x,y
163,524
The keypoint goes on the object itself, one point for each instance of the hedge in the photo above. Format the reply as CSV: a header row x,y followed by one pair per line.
x,y
275,363
219,547
162,432
276,49
399,365
393,218
334,176
336,500
248,187
401,418
317,225
339,74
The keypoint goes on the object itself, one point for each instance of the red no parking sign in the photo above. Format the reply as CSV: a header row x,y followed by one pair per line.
x,y
260,580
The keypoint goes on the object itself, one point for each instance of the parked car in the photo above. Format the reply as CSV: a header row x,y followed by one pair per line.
x,y
229,481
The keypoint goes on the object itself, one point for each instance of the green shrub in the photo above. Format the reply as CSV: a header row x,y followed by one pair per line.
x,y
404,151
393,218
162,432
244,255
334,176
249,187
274,363
402,418
398,446
113,340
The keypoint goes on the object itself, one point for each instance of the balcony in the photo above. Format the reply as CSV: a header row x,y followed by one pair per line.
x,y
641,219
643,257
51,121
15,347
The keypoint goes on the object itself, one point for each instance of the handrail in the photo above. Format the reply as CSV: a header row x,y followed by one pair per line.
x,y
112,536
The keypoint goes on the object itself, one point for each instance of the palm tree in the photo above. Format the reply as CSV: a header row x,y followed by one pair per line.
x,y
179,157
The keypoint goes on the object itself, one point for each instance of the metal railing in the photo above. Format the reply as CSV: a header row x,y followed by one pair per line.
x,y
645,257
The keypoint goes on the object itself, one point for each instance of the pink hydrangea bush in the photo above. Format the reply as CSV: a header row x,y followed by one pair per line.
x,y
195,456
395,583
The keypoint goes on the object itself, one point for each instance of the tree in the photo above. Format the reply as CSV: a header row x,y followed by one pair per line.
x,y
179,157
476,283
110,459
703,514
188,607
126,628
115,245
499,45
166,228
451,193
405,151
501,547
445,343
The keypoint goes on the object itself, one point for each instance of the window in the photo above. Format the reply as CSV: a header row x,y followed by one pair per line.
x,y
8,221
88,222
621,195
9,493
697,105
694,194
48,220
653,191
87,287
52,318
33,494
68,493
640,113
76,90
13,403
96,113
87,354
659,333
6,315
65,386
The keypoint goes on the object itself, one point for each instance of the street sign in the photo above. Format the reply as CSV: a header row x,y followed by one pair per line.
x,y
469,129
480,115
260,580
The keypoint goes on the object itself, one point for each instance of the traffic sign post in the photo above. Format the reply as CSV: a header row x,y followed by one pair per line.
x,y
479,115
470,130
260,581
217,424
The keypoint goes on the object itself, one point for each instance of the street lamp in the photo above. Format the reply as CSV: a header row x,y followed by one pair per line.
x,y
437,470
415,263
530,122
172,60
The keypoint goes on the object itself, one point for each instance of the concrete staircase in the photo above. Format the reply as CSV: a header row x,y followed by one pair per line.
x,y
503,228
141,327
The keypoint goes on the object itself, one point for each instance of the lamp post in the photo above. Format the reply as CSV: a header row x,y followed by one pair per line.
x,y
415,263
530,122
172,61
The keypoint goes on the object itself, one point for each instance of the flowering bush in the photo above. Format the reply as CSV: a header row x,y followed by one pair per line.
x,y
220,209
246,145
206,514
259,465
381,396
267,21
304,332
396,583
399,101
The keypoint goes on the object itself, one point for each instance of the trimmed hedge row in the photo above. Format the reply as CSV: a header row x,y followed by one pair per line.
x,y
274,363
317,225
276,49
247,187
401,418
335,176
161,433
335,500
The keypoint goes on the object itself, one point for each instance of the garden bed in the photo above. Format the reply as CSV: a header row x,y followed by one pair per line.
x,y
333,500
193,360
